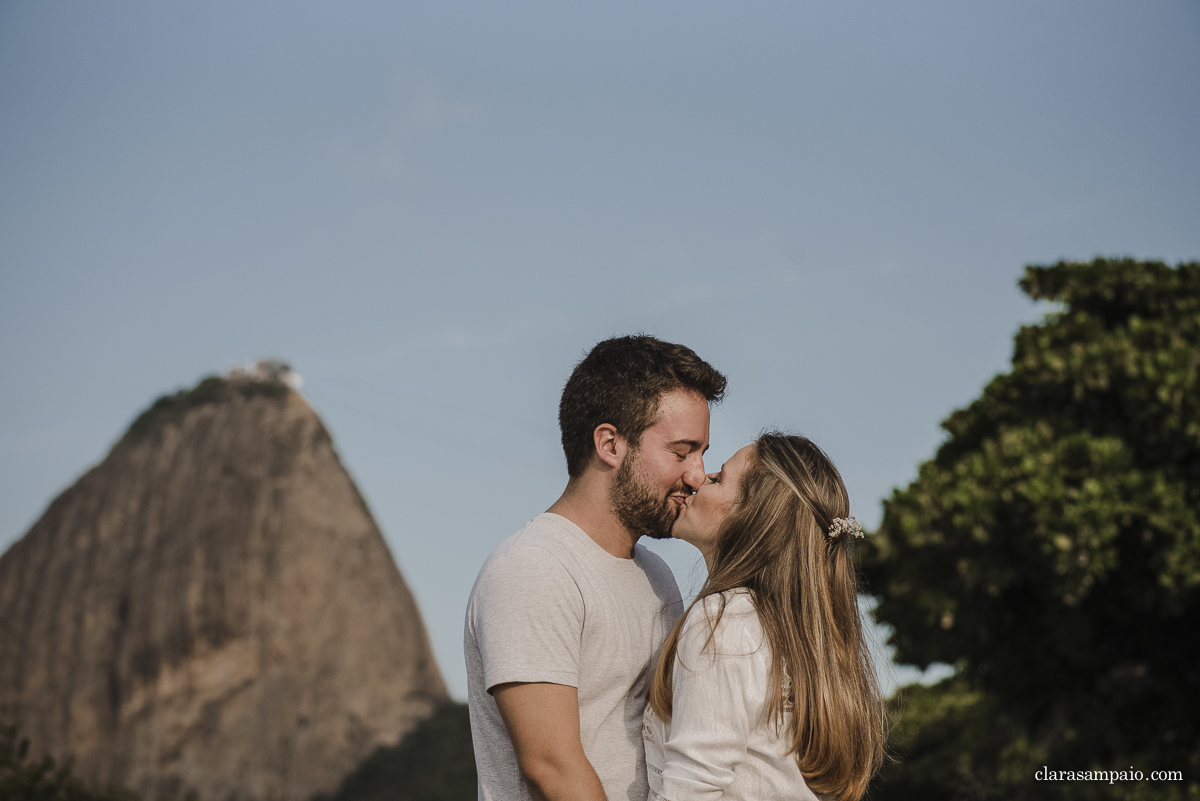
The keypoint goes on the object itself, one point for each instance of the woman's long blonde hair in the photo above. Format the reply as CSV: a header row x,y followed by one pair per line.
x,y
805,590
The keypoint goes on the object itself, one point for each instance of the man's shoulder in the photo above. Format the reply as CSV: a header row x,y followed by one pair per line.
x,y
546,533
545,542
549,530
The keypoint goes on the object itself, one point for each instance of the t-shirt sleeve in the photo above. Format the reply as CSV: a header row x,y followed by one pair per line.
x,y
527,615
718,695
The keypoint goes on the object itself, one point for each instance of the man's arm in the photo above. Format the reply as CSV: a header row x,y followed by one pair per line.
x,y
543,724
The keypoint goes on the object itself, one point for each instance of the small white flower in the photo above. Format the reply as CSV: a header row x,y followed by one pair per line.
x,y
845,525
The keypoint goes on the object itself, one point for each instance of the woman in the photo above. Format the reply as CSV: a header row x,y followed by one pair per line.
x,y
765,689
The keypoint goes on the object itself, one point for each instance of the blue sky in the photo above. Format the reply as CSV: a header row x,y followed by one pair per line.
x,y
433,210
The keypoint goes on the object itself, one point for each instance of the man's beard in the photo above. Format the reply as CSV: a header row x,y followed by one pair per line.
x,y
637,507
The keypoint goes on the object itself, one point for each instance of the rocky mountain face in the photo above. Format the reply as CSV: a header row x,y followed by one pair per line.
x,y
212,611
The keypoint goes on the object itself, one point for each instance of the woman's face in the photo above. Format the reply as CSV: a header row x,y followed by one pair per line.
x,y
703,512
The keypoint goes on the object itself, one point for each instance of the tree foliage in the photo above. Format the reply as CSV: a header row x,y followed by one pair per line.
x,y
434,762
1051,548
44,780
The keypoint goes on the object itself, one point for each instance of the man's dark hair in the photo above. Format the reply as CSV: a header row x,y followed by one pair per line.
x,y
620,382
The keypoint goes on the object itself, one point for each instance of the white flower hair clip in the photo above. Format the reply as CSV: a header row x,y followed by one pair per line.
x,y
845,525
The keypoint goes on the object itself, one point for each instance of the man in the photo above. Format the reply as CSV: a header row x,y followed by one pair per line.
x,y
568,615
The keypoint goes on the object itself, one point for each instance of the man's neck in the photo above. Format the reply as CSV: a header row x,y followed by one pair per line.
x,y
587,506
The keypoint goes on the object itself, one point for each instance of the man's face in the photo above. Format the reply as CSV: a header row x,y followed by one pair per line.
x,y
653,481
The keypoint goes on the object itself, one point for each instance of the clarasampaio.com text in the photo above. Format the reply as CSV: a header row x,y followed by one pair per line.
x,y
1110,776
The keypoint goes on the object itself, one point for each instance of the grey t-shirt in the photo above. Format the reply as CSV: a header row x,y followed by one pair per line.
x,y
550,605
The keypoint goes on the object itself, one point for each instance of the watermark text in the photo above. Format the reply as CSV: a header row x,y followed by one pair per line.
x,y
1110,776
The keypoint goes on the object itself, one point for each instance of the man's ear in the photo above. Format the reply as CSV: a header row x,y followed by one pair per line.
x,y
610,445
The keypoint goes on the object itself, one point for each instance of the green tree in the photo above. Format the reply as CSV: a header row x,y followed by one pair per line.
x,y
434,762
21,780
1051,550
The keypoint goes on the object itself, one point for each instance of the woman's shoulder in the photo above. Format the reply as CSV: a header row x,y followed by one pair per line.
x,y
727,620
739,599
738,602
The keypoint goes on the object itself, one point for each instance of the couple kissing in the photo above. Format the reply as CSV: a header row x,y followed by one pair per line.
x,y
587,678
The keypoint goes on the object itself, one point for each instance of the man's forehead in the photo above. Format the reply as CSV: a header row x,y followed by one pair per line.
x,y
679,401
682,418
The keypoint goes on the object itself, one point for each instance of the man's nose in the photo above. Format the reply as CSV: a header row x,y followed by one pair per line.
x,y
694,475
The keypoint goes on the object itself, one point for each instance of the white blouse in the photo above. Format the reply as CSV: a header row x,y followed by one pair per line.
x,y
717,744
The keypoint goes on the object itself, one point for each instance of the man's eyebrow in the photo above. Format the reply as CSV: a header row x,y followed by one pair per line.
x,y
691,443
